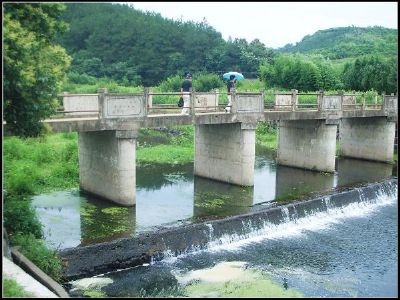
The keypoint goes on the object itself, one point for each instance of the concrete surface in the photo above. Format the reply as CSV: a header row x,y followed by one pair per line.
x,y
11,270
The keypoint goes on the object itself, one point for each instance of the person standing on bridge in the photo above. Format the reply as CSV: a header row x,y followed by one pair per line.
x,y
185,93
230,87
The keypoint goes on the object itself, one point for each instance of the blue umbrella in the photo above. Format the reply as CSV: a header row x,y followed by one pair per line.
x,y
238,76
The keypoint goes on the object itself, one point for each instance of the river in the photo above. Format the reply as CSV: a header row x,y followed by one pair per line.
x,y
348,252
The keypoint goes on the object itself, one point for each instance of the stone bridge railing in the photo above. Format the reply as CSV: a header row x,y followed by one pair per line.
x,y
138,105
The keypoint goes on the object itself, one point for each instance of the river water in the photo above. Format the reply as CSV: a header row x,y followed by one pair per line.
x,y
171,196
349,251
346,252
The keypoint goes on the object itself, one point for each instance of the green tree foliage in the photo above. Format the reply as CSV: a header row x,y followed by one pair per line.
x,y
371,72
342,42
145,48
34,67
299,72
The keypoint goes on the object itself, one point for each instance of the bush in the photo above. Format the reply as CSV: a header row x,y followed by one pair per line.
x,y
13,290
36,251
20,217
207,82
171,84
74,77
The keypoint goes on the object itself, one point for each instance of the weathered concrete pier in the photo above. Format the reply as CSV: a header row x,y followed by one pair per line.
x,y
108,126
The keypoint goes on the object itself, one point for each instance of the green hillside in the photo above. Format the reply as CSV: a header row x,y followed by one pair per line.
x,y
347,42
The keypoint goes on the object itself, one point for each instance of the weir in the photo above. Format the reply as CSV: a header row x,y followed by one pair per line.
x,y
129,252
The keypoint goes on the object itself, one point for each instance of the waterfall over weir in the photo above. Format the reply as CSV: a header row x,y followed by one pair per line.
x,y
284,221
293,220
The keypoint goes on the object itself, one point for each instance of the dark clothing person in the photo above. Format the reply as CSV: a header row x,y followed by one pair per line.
x,y
230,86
185,93
186,85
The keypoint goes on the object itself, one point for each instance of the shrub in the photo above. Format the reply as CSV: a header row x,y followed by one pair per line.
x,y
20,217
171,84
13,290
207,82
37,252
74,77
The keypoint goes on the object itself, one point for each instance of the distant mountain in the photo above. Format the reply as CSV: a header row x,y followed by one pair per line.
x,y
347,42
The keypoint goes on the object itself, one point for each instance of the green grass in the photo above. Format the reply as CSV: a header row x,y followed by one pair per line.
x,y
266,136
36,251
37,165
165,154
11,289
110,85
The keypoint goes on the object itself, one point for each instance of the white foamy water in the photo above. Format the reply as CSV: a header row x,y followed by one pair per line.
x,y
296,227
222,272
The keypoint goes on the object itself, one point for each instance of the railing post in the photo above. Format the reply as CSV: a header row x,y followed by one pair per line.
x,y
294,99
146,101
101,92
216,99
149,98
363,101
383,100
64,94
320,98
341,94
233,101
191,101
262,91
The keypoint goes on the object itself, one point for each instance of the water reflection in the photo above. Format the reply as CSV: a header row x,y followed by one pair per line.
x,y
103,221
171,195
351,171
213,198
293,182
60,214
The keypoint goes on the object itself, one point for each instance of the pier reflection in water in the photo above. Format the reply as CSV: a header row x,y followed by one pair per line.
x,y
171,196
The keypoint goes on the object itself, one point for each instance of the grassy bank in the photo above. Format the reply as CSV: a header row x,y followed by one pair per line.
x,y
11,289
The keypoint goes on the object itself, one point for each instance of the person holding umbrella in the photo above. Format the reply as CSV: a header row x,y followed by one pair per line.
x,y
230,86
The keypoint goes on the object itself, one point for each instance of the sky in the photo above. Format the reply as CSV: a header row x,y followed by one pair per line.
x,y
276,23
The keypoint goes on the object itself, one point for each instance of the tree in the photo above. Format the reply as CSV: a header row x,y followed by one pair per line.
x,y
34,67
371,72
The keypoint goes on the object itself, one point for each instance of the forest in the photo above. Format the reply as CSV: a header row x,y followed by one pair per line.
x,y
48,46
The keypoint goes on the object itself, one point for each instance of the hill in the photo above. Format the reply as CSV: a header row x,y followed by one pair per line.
x,y
347,42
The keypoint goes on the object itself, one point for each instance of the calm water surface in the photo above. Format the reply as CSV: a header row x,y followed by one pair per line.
x,y
170,196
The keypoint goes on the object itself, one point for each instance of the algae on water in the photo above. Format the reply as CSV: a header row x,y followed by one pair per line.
x,y
232,279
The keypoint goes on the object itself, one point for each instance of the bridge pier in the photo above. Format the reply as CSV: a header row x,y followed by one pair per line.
x,y
367,138
307,144
107,161
225,152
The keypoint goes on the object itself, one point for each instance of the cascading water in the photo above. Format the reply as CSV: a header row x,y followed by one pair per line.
x,y
327,247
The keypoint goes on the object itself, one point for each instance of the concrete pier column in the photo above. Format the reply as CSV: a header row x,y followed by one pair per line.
x,y
225,152
367,138
308,144
107,161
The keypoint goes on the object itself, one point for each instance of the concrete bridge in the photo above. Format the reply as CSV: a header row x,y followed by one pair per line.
x,y
108,126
